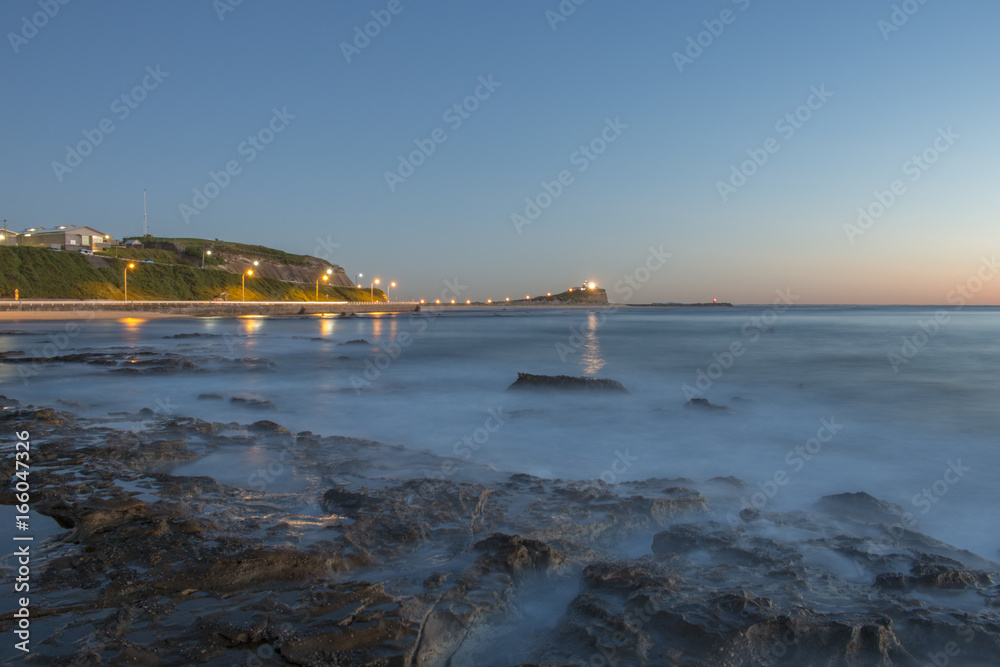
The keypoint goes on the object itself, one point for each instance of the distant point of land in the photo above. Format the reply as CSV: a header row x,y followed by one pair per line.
x,y
714,304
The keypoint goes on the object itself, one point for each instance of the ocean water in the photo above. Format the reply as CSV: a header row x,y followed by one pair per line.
x,y
817,403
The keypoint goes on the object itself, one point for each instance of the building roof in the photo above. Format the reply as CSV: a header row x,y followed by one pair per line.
x,y
62,229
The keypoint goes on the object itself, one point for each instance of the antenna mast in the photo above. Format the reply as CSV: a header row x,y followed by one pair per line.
x,y
145,228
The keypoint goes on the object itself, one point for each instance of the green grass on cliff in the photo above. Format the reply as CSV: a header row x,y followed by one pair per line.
x,y
44,274
193,249
596,295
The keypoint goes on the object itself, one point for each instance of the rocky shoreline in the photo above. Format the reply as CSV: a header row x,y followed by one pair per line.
x,y
368,566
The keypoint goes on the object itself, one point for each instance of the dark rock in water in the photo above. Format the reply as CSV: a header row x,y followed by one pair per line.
x,y
934,576
703,404
739,400
210,397
194,335
529,381
734,482
146,412
513,554
9,402
265,426
348,503
749,514
862,507
258,403
357,341
253,567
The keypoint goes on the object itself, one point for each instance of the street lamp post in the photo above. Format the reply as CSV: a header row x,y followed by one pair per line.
x,y
372,288
243,282
130,266
324,278
392,285
203,253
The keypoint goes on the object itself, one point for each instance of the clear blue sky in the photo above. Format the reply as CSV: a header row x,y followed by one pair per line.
x,y
322,178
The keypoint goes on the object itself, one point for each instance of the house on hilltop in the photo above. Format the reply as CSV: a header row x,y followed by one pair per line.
x,y
66,237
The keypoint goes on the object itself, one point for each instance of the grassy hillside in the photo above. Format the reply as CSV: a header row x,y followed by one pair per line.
x,y
576,295
191,249
43,274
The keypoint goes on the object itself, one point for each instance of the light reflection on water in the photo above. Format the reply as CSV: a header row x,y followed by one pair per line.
x,y
592,361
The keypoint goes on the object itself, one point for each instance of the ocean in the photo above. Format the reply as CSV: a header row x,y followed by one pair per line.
x,y
899,402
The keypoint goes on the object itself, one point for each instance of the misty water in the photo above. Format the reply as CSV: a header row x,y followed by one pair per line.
x,y
921,433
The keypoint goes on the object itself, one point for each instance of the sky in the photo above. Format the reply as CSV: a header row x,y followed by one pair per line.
x,y
672,152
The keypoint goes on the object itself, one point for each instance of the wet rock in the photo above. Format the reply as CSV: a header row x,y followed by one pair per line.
x,y
862,507
934,576
48,417
255,403
357,341
193,335
566,382
265,426
210,397
703,404
734,482
184,570
7,403
348,503
514,554
250,569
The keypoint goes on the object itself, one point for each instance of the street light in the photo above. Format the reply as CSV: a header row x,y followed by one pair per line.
x,y
372,288
243,282
130,266
324,278
204,252
392,286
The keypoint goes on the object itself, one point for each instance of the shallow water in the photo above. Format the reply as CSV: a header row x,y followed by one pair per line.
x,y
437,382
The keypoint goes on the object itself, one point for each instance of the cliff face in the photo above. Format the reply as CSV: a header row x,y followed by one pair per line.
x,y
304,273
238,257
